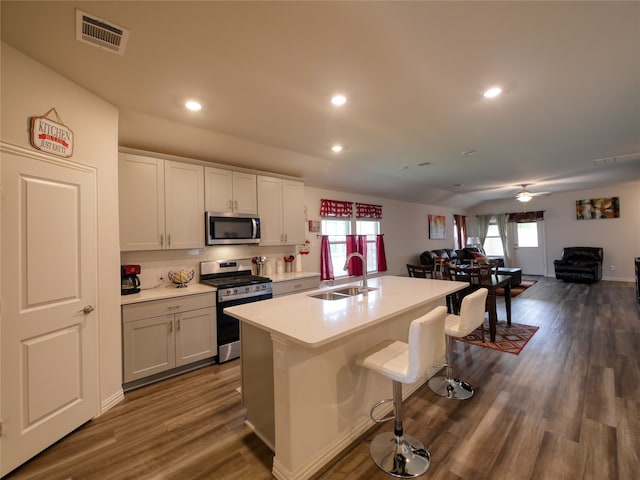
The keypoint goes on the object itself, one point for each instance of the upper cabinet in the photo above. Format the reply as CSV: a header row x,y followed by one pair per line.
x,y
281,209
229,191
161,204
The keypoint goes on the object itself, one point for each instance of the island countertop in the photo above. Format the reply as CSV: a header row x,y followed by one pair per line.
x,y
313,322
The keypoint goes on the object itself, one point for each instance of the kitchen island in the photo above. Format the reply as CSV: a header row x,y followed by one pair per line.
x,y
304,395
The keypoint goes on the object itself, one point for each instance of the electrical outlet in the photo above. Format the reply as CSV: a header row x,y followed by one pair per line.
x,y
612,268
160,279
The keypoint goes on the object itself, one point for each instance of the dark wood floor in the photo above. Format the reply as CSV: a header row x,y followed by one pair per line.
x,y
567,408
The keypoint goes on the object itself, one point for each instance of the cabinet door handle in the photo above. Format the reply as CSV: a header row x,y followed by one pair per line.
x,y
169,240
230,205
170,326
235,205
178,324
161,240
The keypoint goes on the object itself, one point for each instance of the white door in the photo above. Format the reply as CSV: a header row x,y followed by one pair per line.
x,y
48,384
529,247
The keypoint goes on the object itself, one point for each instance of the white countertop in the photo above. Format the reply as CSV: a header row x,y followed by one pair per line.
x,y
193,288
313,322
165,291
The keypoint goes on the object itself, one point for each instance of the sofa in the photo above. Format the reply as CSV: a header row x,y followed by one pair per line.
x,y
579,264
461,257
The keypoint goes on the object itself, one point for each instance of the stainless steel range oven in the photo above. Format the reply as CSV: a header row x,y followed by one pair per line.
x,y
235,285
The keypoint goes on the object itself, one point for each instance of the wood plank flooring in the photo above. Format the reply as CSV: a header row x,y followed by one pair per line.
x,y
567,408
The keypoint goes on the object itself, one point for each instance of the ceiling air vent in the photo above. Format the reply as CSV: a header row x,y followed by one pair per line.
x,y
100,33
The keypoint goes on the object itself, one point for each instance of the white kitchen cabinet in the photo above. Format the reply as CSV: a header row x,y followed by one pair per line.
x,y
161,203
227,191
281,208
161,335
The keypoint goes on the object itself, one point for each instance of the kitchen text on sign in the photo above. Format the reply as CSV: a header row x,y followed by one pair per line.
x,y
51,137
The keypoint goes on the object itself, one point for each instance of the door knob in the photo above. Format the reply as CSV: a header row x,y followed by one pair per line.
x,y
87,309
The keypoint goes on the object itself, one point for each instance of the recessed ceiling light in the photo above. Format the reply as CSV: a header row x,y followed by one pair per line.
x,y
193,106
338,100
492,92
336,148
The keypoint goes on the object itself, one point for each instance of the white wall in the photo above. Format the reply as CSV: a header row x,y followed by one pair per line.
x,y
619,237
29,89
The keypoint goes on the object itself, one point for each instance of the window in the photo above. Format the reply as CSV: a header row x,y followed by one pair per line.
x,y
338,221
370,228
455,232
527,234
493,244
337,230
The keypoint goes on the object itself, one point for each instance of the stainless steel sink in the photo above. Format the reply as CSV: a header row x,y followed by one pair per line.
x,y
339,294
350,291
330,296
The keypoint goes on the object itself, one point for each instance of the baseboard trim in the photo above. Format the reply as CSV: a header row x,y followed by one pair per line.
x,y
111,401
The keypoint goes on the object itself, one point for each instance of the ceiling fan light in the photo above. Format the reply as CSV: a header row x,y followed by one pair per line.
x,y
524,197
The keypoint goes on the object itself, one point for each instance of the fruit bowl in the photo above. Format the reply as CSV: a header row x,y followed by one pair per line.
x,y
181,277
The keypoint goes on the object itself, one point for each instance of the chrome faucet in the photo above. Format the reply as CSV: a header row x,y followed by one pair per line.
x,y
364,289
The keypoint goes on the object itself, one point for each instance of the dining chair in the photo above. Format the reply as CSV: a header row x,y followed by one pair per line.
x,y
420,271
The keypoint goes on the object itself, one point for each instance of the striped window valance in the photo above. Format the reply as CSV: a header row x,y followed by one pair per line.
x,y
335,208
525,217
365,210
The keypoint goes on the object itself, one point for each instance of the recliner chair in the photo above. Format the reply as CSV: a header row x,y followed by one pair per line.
x,y
579,264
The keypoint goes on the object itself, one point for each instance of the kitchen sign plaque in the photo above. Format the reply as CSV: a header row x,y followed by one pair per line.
x,y
51,137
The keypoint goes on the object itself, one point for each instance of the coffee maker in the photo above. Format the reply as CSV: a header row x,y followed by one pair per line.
x,y
129,281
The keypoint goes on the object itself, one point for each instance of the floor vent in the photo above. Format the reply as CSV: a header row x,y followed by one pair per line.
x,y
100,33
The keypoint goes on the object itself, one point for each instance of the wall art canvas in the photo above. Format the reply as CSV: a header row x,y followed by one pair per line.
x,y
436,227
598,208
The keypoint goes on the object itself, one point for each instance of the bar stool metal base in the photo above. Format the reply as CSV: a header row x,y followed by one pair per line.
x,y
450,388
404,457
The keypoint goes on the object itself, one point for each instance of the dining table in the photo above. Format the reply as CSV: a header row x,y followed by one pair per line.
x,y
492,283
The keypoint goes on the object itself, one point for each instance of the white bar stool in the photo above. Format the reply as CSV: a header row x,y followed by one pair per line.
x,y
471,317
394,452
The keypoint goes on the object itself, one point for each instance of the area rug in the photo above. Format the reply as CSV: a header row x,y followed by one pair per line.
x,y
510,339
515,291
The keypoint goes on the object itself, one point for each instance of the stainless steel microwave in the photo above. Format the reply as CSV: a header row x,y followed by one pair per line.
x,y
231,228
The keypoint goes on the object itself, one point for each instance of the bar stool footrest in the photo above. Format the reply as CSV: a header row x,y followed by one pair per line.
x,y
378,404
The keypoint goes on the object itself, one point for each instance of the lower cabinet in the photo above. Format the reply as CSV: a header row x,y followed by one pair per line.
x,y
163,335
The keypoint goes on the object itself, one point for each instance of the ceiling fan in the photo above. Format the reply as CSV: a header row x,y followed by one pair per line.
x,y
525,195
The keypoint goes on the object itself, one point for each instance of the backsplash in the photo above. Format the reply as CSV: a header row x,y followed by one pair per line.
x,y
157,263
